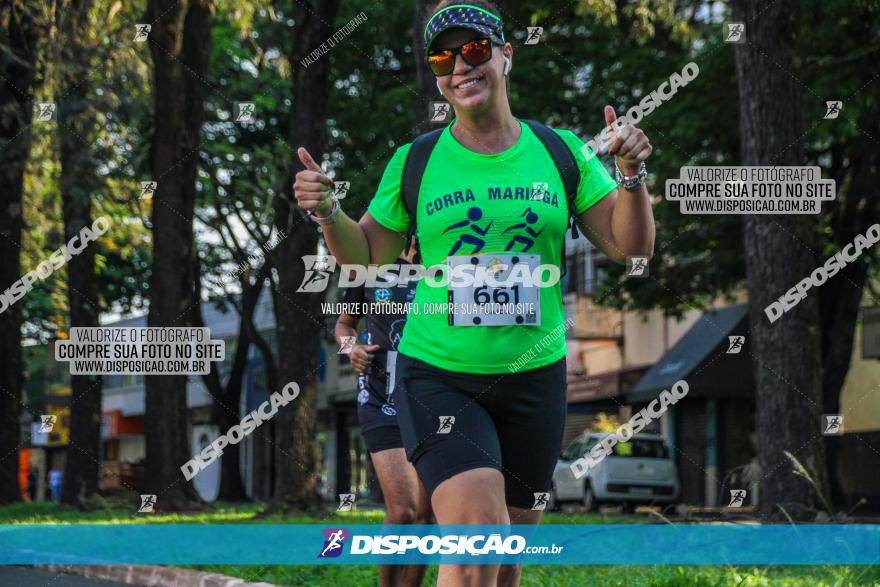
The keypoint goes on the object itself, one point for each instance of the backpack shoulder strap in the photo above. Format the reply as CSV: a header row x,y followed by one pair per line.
x,y
413,170
565,162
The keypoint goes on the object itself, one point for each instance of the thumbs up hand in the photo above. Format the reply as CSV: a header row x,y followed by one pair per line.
x,y
629,144
312,187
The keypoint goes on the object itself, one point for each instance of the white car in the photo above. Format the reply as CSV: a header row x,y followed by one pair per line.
x,y
639,471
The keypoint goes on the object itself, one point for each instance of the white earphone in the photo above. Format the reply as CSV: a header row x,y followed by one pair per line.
x,y
438,88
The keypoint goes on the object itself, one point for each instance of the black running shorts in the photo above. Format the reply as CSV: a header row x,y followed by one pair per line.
x,y
453,422
377,414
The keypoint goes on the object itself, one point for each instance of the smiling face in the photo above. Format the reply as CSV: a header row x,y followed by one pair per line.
x,y
473,88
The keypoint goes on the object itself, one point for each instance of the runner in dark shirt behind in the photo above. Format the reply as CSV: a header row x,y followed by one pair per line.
x,y
405,499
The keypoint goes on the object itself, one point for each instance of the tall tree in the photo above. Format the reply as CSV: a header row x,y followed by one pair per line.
x,y
426,88
77,131
848,151
180,45
841,298
297,315
697,261
227,394
787,358
19,34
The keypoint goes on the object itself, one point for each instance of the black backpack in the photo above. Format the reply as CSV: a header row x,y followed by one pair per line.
x,y
420,151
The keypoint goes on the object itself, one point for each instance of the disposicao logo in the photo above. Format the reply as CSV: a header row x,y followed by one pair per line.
x,y
334,540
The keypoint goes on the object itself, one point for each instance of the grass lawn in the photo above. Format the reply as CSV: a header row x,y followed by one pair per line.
x,y
533,575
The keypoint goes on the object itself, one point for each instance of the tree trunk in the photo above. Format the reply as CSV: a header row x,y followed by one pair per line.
x,y
787,360
225,411
426,85
298,314
180,45
76,133
839,302
18,35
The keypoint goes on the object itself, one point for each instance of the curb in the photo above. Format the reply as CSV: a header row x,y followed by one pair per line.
x,y
151,575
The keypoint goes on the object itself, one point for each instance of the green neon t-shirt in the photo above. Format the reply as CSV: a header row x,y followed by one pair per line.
x,y
485,198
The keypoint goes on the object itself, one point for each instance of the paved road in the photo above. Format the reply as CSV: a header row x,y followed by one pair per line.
x,y
25,577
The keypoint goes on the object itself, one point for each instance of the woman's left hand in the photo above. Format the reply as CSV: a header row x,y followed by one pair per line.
x,y
629,144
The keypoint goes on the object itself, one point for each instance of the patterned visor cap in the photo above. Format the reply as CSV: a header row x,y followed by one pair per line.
x,y
464,16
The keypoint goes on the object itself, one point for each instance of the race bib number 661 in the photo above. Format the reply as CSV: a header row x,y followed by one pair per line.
x,y
500,299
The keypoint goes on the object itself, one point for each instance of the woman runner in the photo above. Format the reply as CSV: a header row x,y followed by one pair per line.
x,y
480,395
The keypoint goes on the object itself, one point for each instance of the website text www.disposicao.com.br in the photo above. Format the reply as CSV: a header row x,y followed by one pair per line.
x,y
335,540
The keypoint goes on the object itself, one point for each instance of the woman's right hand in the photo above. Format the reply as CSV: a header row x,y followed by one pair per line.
x,y
362,356
312,188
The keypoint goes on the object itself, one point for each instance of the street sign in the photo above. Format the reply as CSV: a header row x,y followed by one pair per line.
x,y
871,332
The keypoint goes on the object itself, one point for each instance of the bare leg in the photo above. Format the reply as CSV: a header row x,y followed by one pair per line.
x,y
471,497
405,503
509,575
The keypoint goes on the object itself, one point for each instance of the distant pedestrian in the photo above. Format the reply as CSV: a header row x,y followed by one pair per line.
x,y
55,480
33,480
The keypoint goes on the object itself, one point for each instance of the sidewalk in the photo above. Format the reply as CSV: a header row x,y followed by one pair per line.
x,y
30,577
142,575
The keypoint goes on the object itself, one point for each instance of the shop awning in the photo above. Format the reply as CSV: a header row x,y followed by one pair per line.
x,y
700,357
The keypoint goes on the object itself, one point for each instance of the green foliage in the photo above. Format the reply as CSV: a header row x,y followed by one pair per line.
x,y
642,18
114,112
372,96
699,258
243,165
579,66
